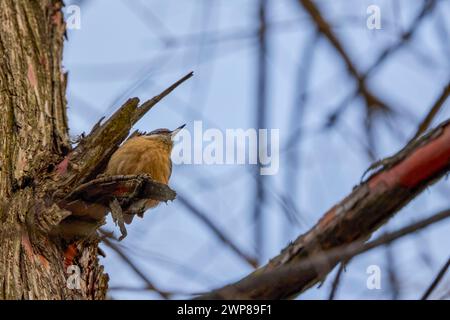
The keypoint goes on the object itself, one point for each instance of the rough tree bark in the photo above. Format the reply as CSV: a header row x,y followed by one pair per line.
x,y
34,136
52,200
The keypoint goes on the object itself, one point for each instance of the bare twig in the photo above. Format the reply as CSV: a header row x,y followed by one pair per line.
x,y
427,8
152,20
324,27
260,116
127,260
406,37
426,122
394,283
372,102
336,281
216,230
436,280
296,123
146,106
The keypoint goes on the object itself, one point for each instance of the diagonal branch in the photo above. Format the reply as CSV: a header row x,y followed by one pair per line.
x,y
324,27
282,282
426,9
216,230
149,284
437,106
372,102
401,178
336,281
436,280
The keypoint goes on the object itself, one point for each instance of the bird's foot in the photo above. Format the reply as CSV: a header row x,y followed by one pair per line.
x,y
118,217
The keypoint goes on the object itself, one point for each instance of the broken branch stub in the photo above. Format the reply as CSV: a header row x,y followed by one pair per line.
x,y
77,186
91,155
93,199
104,189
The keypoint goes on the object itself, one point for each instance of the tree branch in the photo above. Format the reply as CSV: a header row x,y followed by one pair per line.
x,y
401,178
426,9
336,281
126,188
372,102
93,200
283,282
216,230
425,124
149,284
436,280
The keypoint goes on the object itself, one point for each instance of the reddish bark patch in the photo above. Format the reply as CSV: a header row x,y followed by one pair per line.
x,y
57,17
420,165
44,262
31,76
120,191
327,218
43,60
26,244
61,168
69,255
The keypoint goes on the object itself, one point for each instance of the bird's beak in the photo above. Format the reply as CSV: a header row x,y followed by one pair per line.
x,y
175,132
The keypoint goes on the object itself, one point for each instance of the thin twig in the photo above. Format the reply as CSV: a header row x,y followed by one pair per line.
x,y
261,119
425,124
336,281
436,280
427,7
216,230
125,258
394,283
146,106
372,102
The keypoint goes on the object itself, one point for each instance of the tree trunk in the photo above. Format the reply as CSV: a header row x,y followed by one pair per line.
x,y
52,199
34,139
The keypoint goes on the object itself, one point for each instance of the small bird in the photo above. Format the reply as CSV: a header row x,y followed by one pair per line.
x,y
146,153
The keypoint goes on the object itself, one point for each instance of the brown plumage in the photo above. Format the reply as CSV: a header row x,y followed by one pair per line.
x,y
148,154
